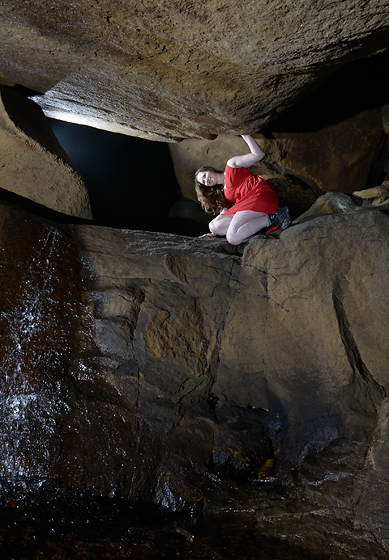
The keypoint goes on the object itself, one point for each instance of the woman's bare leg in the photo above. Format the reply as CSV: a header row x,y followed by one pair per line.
x,y
220,224
245,224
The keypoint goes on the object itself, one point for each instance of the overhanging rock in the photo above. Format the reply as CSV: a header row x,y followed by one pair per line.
x,y
168,70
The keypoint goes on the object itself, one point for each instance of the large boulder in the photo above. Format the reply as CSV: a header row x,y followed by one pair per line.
x,y
167,70
189,373
33,164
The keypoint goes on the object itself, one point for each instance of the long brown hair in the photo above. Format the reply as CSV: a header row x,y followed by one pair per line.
x,y
212,199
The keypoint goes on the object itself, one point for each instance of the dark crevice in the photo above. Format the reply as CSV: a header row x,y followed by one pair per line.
x,y
350,345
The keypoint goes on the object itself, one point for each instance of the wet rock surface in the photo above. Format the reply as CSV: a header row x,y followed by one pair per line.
x,y
56,523
167,70
205,378
39,312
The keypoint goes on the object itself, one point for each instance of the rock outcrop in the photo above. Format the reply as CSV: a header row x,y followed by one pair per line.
x,y
377,195
33,163
166,70
192,374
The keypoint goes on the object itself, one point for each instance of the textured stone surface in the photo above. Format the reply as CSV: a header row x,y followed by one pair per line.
x,y
33,164
167,69
344,156
192,374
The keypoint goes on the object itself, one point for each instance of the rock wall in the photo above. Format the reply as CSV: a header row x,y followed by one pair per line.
x,y
33,164
192,374
166,70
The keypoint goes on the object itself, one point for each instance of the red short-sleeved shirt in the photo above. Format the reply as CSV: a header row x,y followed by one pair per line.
x,y
246,191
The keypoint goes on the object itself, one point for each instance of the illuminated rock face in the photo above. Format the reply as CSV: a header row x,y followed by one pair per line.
x,y
33,164
192,374
166,70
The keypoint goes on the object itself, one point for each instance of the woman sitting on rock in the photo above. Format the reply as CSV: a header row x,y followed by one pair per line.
x,y
243,203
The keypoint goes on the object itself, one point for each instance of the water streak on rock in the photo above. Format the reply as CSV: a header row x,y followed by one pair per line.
x,y
37,312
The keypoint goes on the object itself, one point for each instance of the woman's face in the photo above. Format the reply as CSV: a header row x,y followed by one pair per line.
x,y
207,178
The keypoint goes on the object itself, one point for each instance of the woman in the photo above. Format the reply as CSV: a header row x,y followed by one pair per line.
x,y
244,203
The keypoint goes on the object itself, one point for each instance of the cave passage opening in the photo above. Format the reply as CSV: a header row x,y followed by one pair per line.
x,y
131,181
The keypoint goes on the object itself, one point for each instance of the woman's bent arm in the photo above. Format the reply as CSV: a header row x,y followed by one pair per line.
x,y
255,155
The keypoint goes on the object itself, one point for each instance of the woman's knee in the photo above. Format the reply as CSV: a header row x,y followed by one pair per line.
x,y
234,238
213,227
218,226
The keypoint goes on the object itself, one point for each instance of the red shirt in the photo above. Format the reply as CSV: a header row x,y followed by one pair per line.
x,y
246,191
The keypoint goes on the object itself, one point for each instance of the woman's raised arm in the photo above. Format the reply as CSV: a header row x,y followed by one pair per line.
x,y
255,155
